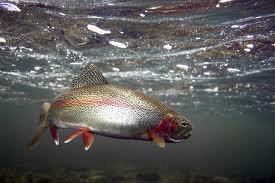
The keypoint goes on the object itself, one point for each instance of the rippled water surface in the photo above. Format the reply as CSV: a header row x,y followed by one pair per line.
x,y
213,61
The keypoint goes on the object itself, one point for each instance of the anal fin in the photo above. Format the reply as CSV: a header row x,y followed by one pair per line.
x,y
88,138
54,133
156,138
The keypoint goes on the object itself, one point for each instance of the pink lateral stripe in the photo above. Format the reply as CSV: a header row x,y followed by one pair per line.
x,y
87,102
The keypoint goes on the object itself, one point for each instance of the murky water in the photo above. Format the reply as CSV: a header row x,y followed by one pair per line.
x,y
210,60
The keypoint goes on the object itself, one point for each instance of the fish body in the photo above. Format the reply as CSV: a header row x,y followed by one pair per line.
x,y
92,106
107,110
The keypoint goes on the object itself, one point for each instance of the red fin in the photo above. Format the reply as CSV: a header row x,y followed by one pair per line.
x,y
159,140
88,138
54,134
73,135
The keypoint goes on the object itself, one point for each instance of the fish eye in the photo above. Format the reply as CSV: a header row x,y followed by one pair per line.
x,y
184,124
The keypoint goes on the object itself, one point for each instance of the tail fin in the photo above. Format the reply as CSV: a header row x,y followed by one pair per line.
x,y
43,125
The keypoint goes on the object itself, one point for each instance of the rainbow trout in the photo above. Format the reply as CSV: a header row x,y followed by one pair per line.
x,y
92,106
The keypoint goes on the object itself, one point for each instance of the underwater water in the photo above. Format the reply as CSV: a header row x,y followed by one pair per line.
x,y
212,61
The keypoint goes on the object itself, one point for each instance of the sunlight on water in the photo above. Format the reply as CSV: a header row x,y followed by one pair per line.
x,y
161,45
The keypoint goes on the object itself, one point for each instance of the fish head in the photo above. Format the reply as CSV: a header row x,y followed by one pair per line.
x,y
182,130
175,128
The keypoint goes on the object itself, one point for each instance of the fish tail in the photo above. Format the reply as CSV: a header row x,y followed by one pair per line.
x,y
43,125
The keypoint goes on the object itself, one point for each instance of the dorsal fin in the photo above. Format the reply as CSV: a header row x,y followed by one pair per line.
x,y
88,77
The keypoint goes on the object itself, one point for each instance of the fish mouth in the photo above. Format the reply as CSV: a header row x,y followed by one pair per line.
x,y
187,135
184,134
184,137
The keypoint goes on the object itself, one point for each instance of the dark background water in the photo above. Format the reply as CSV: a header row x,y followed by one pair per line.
x,y
211,61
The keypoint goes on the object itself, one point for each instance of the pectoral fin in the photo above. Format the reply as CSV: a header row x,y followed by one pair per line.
x,y
159,140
